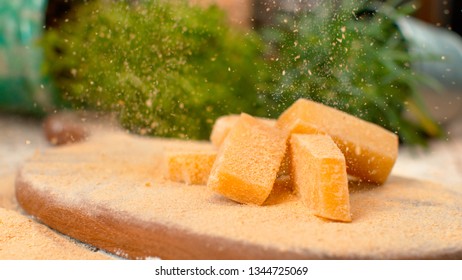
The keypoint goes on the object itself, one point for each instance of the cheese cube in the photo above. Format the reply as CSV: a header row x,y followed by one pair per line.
x,y
223,125
370,150
221,128
248,161
319,176
190,167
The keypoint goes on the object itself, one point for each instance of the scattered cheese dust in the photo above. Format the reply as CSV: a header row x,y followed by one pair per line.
x,y
404,218
23,238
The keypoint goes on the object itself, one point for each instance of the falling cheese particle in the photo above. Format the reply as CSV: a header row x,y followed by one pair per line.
x,y
248,161
223,125
370,150
190,167
319,176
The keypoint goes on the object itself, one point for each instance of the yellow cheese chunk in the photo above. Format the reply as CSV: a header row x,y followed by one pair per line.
x,y
190,167
319,176
248,161
370,150
221,128
223,125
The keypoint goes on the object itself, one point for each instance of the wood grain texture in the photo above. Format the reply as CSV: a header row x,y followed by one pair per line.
x,y
109,192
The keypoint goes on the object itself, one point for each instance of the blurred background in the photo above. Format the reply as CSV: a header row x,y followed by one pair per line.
x,y
49,63
445,13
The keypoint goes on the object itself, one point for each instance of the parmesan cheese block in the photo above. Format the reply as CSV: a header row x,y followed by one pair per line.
x,y
370,150
190,167
223,125
221,128
248,161
319,176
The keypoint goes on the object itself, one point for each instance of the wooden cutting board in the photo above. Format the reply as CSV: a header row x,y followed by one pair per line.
x,y
110,192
